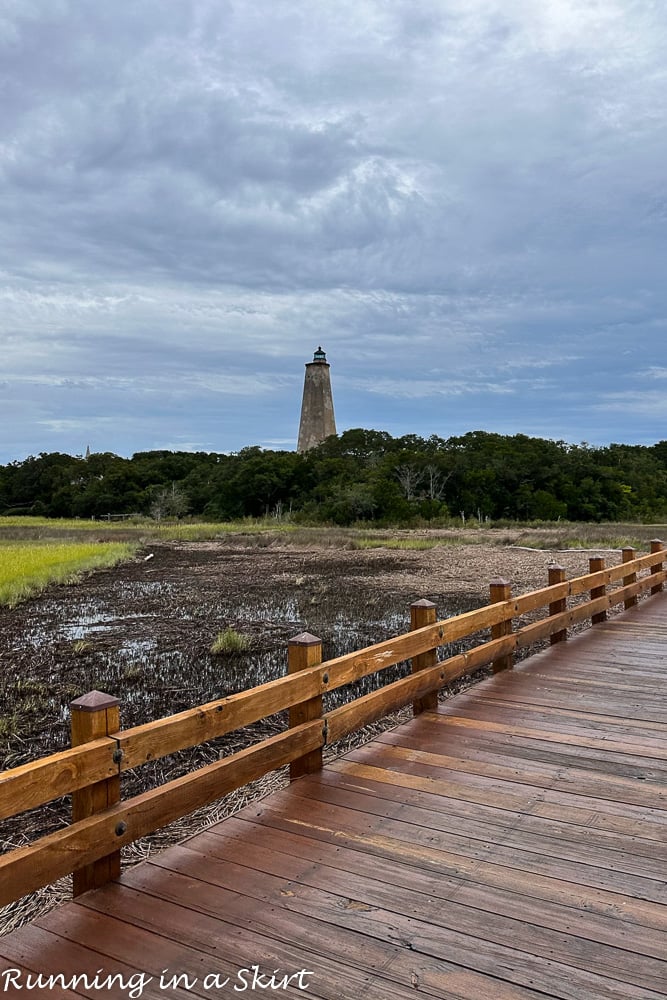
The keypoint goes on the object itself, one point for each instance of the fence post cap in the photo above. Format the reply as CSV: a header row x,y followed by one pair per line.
x,y
94,701
304,639
499,581
657,541
423,603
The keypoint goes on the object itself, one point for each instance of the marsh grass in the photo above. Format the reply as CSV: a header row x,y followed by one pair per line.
x,y
417,544
27,568
589,536
228,642
139,528
268,531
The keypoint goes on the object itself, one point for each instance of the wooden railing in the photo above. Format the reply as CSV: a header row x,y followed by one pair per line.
x,y
101,751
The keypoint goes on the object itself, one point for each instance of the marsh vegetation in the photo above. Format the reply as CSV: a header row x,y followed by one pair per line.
x,y
183,622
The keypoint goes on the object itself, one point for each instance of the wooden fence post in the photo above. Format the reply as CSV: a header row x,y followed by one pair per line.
x,y
424,613
595,564
557,575
627,555
500,590
92,716
305,650
657,545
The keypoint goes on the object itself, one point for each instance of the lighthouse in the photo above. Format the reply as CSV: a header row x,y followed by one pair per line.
x,y
317,410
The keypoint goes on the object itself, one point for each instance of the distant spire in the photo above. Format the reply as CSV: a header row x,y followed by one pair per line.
x,y
87,452
317,410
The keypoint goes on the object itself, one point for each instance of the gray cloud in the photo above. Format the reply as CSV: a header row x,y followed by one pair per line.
x,y
467,194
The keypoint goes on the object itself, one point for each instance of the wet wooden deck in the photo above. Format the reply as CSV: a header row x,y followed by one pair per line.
x,y
511,845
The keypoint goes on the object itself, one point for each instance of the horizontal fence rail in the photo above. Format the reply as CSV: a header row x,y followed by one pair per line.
x,y
89,847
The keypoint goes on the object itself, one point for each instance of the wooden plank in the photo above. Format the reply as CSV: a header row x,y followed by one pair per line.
x,y
569,848
419,842
338,890
580,673
557,823
562,738
549,723
422,938
552,693
499,706
406,890
116,936
632,710
44,954
460,869
586,676
165,902
135,936
462,742
626,820
604,814
606,917
601,691
539,774
40,781
29,868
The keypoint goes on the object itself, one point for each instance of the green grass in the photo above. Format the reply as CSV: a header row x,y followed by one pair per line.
x,y
143,529
229,641
64,523
27,568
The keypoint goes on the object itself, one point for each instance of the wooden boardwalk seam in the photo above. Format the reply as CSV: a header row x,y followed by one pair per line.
x,y
511,845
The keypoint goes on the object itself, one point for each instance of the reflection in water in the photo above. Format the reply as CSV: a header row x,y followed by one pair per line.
x,y
158,666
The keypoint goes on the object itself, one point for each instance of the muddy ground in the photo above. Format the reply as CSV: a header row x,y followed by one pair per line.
x,y
142,632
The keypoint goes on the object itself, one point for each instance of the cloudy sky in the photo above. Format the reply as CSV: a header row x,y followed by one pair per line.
x,y
463,201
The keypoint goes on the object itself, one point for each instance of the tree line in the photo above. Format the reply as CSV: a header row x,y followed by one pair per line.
x,y
360,475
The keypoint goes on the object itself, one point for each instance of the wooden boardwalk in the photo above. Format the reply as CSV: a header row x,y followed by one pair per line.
x,y
511,845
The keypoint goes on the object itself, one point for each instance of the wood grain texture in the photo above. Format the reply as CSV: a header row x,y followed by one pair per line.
x,y
40,781
92,717
76,846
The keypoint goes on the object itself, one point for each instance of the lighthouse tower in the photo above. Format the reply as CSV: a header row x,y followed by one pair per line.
x,y
317,411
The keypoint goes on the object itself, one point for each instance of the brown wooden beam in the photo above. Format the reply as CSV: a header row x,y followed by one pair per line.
x,y
305,651
94,715
557,575
423,613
